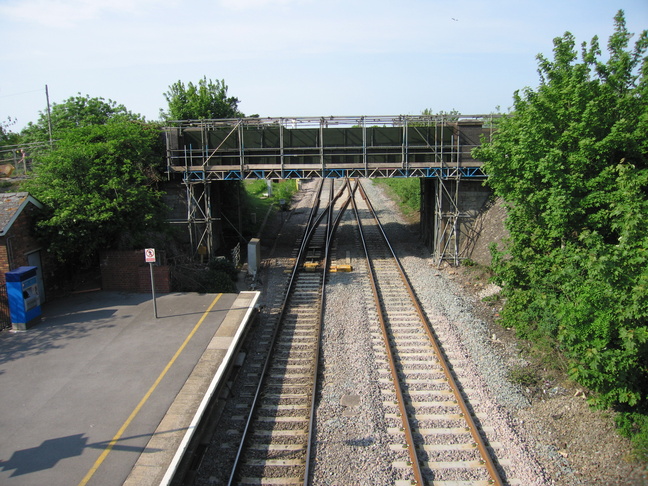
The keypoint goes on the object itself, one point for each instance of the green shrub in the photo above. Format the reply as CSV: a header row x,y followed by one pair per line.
x,y
572,166
221,282
256,188
214,278
634,425
523,376
223,265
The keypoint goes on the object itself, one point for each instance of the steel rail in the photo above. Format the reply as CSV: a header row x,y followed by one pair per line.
x,y
434,341
312,226
275,334
409,437
318,347
313,221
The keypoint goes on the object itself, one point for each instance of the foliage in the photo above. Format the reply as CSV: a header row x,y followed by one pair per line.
x,y
635,426
407,190
280,190
221,282
259,204
571,162
283,191
207,99
7,137
225,266
523,376
213,278
97,184
449,116
76,111
256,188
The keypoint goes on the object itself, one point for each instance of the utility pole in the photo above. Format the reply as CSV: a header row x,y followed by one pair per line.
x,y
49,117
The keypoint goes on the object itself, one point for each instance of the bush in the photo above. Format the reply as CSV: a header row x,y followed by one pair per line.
x,y
224,266
572,165
635,426
259,205
214,278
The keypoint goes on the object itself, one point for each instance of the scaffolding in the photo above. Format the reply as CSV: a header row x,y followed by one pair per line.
x,y
423,146
199,214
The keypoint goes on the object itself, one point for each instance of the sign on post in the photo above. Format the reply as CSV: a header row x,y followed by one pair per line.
x,y
149,254
149,257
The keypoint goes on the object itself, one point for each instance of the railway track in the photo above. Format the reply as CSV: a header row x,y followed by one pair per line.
x,y
436,438
276,438
433,436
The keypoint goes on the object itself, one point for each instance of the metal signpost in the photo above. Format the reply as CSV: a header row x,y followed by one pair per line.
x,y
149,255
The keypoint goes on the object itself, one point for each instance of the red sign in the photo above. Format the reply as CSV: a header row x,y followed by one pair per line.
x,y
149,255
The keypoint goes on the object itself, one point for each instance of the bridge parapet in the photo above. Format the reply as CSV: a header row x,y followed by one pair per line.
x,y
437,146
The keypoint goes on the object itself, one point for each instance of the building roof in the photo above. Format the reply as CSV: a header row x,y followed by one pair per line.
x,y
11,205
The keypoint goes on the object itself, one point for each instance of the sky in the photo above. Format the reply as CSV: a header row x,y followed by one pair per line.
x,y
290,58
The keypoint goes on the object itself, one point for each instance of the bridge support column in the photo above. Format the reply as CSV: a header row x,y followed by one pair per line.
x,y
449,208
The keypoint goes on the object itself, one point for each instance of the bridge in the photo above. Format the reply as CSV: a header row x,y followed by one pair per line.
x,y
308,147
435,148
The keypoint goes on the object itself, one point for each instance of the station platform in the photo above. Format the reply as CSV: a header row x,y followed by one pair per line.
x,y
101,392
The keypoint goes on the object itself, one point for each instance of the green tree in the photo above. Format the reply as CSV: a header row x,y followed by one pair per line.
x,y
76,111
98,186
208,99
571,162
7,137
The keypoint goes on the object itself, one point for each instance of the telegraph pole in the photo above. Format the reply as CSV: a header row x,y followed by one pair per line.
x,y
49,116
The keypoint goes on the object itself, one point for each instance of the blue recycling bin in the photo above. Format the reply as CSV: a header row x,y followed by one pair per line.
x,y
24,301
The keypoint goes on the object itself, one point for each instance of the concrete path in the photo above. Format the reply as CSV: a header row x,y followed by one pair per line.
x,y
82,393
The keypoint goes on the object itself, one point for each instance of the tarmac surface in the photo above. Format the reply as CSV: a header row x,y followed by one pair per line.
x,y
86,393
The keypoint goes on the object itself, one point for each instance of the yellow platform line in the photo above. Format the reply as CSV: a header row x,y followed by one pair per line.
x,y
144,399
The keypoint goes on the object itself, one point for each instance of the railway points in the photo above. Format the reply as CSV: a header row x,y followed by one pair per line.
x,y
272,429
100,390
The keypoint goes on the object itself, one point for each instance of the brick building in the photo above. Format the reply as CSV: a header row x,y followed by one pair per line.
x,y
18,246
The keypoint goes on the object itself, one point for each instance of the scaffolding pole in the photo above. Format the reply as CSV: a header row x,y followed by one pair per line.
x,y
199,218
447,225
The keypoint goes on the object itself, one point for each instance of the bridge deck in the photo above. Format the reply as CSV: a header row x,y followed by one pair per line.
x,y
281,148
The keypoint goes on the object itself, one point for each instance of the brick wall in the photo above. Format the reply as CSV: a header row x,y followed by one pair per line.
x,y
22,239
4,260
126,271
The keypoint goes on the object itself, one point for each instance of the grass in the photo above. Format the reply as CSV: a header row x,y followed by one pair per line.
x,y
407,192
259,203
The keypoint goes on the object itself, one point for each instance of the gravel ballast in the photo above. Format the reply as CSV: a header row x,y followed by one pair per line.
x,y
544,439
352,444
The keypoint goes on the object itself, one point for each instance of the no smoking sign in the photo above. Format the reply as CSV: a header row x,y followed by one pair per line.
x,y
149,255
